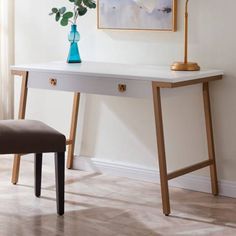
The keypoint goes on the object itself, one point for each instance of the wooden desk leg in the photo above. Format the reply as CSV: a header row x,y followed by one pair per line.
x,y
210,139
74,119
161,149
23,99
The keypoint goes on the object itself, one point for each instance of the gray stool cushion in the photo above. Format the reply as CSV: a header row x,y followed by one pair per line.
x,y
29,136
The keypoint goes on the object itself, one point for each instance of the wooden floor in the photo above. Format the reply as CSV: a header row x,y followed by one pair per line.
x,y
100,205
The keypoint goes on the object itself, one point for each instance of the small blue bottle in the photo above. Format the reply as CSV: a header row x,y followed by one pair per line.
x,y
74,37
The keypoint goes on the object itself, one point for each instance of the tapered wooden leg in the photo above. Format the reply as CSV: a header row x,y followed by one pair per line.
x,y
37,173
161,149
74,119
23,99
210,139
16,168
60,181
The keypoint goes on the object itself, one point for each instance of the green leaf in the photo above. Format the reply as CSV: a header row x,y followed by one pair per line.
x,y
62,10
64,21
72,0
54,10
82,10
78,2
68,15
58,16
89,3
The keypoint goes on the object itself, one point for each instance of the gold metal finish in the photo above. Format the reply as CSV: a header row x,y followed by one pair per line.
x,y
210,138
74,119
211,162
22,109
23,99
122,88
161,149
69,142
188,82
185,66
190,169
182,66
53,81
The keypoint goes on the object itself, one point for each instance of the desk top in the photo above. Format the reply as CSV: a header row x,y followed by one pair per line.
x,y
121,71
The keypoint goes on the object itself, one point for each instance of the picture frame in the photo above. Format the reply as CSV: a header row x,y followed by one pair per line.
x,y
159,15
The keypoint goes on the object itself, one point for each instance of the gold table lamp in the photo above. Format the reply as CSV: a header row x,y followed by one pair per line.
x,y
185,66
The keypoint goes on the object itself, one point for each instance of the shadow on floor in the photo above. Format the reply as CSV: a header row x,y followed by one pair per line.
x,y
97,221
131,202
210,213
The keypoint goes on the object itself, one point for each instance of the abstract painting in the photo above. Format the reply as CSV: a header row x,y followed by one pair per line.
x,y
137,14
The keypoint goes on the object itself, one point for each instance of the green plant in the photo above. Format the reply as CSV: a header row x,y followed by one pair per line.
x,y
80,9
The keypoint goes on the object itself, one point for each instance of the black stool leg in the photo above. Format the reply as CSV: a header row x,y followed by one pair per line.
x,y
60,181
37,173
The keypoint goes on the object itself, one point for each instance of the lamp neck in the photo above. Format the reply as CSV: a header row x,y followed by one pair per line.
x,y
186,6
186,33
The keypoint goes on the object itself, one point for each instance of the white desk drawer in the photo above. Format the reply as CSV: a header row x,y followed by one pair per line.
x,y
85,84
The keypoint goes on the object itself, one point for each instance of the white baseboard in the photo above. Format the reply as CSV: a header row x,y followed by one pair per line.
x,y
189,181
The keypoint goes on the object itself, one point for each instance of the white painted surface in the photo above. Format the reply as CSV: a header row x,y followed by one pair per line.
x,y
119,71
95,78
122,129
93,84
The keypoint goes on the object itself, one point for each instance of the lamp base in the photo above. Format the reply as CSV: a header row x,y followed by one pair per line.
x,y
181,66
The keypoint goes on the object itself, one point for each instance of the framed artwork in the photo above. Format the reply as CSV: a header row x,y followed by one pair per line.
x,y
159,15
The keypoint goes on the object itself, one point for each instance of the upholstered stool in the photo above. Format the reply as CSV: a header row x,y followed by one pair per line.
x,y
28,136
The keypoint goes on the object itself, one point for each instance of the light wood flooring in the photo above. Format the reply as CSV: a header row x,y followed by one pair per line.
x,y
102,205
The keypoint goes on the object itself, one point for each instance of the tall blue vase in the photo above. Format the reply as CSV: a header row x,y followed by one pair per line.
x,y
74,37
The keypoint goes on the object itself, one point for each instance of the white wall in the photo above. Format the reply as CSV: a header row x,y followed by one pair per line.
x,y
122,130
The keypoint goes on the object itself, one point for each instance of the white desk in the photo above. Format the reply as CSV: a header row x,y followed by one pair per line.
x,y
141,81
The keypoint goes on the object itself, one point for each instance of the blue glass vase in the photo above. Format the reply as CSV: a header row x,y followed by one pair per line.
x,y
74,37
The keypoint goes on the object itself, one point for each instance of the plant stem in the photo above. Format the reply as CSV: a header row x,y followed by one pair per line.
x,y
75,14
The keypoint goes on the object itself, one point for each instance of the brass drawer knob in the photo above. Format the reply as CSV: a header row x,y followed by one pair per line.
x,y
53,81
122,88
